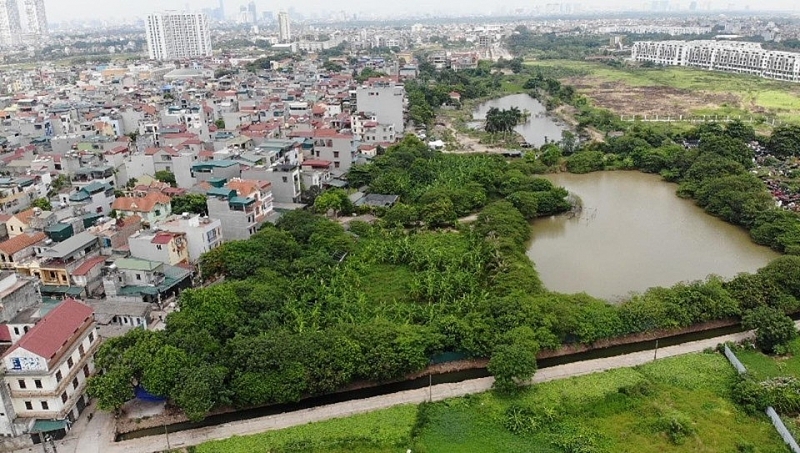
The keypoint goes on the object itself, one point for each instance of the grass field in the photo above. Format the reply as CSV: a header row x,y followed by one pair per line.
x,y
673,405
764,367
679,91
382,431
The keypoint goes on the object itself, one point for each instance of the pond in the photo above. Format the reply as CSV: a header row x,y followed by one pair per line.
x,y
635,233
538,127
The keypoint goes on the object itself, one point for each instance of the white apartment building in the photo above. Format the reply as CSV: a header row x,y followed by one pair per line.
x,y
47,369
729,56
284,32
175,35
202,234
383,99
37,18
10,24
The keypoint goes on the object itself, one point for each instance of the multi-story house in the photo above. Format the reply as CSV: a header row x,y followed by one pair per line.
x,y
16,194
54,263
384,98
87,175
333,146
46,371
202,233
374,133
286,180
94,198
216,169
152,208
241,205
18,248
138,280
162,246
19,222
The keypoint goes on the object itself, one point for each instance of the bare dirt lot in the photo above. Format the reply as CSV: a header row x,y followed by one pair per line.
x,y
627,100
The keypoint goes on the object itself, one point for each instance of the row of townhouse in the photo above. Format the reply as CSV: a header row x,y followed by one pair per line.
x,y
728,56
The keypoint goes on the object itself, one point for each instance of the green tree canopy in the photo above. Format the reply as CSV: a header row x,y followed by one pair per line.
x,y
167,177
190,202
42,203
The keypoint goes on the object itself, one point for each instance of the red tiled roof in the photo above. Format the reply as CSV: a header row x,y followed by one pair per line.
x,y
317,163
5,334
140,204
330,133
55,330
88,265
162,238
21,242
25,216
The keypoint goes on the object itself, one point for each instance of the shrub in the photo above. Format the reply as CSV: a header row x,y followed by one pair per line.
x,y
774,330
677,426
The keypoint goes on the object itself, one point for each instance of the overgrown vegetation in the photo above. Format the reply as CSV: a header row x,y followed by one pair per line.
x,y
298,313
677,405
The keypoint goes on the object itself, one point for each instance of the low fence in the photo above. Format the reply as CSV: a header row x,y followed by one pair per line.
x,y
773,416
700,119
735,360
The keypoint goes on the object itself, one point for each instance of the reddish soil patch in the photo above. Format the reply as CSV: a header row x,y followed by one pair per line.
x,y
649,100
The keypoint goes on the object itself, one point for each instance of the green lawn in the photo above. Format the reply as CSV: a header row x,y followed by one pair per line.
x,y
673,405
762,366
382,431
751,94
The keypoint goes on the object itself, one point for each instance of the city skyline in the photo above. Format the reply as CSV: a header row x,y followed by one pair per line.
x,y
68,10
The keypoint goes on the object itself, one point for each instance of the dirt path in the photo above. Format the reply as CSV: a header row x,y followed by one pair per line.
x,y
464,143
567,115
100,442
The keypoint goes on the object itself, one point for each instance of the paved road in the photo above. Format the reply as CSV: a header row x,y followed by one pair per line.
x,y
96,436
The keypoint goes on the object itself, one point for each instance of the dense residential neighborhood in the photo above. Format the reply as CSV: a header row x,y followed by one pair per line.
x,y
97,238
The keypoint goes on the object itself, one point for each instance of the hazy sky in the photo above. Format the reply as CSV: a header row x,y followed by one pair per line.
x,y
59,10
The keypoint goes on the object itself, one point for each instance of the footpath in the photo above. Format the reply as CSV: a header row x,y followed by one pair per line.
x,y
96,436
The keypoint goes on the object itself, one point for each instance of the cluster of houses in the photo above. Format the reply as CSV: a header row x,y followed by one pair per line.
x,y
90,243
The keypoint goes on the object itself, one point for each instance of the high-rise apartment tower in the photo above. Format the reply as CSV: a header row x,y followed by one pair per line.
x,y
37,19
175,35
10,25
284,32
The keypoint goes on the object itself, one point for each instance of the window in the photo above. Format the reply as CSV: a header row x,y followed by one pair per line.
x,y
86,371
64,397
70,362
58,376
336,154
336,164
138,276
16,330
91,337
37,383
26,329
75,383
21,383
285,179
81,351
28,405
45,406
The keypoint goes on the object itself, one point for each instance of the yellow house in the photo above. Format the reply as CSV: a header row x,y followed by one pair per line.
x,y
19,222
162,246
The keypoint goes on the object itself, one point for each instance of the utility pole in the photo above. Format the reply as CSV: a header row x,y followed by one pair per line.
x,y
166,433
430,388
655,353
